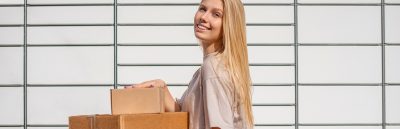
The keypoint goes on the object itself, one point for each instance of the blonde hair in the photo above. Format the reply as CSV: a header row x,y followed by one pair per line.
x,y
234,51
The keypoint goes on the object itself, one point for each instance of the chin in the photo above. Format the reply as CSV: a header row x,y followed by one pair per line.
x,y
200,36
203,37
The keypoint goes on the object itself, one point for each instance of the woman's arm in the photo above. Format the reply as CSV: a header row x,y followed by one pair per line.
x,y
169,101
170,104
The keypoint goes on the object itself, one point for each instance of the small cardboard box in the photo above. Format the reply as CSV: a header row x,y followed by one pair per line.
x,y
137,100
168,120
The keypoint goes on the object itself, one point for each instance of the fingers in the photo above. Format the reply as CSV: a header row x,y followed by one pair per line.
x,y
128,87
144,85
159,83
148,84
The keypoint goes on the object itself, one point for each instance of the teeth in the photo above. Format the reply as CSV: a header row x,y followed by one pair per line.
x,y
202,27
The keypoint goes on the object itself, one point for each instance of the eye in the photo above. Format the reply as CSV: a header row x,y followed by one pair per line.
x,y
217,14
203,9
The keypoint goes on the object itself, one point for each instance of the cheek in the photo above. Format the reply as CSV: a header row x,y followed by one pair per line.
x,y
218,26
196,17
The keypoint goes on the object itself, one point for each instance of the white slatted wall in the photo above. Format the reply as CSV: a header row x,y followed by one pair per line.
x,y
315,64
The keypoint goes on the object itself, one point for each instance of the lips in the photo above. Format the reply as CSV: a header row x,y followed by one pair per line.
x,y
202,27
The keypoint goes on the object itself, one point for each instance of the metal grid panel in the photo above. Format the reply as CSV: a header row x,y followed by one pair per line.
x,y
115,45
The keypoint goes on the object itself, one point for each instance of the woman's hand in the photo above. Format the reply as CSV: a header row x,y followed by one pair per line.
x,y
149,84
169,102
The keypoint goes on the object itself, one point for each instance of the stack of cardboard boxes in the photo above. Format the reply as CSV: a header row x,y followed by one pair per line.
x,y
135,108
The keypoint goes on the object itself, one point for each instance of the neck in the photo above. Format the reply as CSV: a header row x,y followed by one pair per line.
x,y
210,47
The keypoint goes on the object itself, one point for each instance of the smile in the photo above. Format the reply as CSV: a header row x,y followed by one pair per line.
x,y
202,27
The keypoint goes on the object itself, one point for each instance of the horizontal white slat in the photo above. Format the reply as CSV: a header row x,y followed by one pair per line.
x,y
273,115
349,104
11,35
177,91
272,74
12,108
71,35
193,54
66,65
274,127
156,34
69,1
267,1
273,95
392,27
392,104
2,2
392,63
12,15
339,1
340,64
392,1
152,14
340,127
53,105
71,15
170,74
185,34
269,14
270,34
271,54
11,65
165,54
339,24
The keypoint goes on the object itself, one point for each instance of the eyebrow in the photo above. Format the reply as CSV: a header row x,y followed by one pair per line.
x,y
218,9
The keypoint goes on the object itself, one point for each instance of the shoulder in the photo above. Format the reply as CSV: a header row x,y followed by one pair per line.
x,y
214,67
215,75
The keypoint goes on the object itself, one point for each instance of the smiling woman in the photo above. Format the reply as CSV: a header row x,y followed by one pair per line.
x,y
219,94
208,23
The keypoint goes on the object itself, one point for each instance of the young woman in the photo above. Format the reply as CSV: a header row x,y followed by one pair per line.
x,y
219,94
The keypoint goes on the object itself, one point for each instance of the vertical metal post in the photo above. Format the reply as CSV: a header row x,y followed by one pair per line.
x,y
25,65
115,46
383,64
296,66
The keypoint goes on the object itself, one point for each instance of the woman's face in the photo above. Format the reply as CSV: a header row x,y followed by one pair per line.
x,y
208,20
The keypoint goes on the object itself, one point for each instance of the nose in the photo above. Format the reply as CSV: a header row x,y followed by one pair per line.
x,y
204,17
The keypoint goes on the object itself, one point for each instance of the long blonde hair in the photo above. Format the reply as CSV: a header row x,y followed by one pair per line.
x,y
234,51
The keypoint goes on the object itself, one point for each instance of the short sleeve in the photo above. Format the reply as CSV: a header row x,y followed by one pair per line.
x,y
217,104
179,102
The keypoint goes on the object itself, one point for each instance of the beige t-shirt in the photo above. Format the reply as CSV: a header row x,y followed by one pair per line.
x,y
210,97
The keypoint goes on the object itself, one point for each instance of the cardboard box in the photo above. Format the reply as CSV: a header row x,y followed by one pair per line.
x,y
137,100
168,120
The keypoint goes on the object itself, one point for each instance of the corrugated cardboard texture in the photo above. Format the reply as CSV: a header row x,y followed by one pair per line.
x,y
168,120
137,100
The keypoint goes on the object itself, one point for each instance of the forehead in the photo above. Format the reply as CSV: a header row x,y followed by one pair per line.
x,y
217,4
